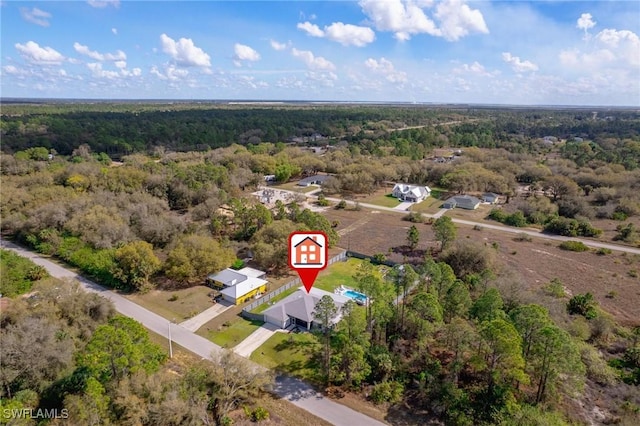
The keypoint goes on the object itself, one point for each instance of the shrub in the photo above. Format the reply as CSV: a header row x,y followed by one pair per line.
x,y
477,228
574,246
341,205
516,219
322,201
555,288
173,298
387,392
414,217
237,264
378,258
259,414
523,237
498,215
583,304
571,228
603,251
597,368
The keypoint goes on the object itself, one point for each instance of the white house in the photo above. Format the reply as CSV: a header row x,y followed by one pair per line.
x,y
411,193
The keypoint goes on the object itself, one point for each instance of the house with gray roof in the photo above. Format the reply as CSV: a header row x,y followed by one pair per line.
x,y
297,309
411,193
490,197
313,180
466,202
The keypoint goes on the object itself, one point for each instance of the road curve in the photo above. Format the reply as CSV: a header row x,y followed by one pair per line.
x,y
529,231
289,388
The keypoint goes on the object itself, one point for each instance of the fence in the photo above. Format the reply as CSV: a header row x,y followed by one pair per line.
x,y
246,311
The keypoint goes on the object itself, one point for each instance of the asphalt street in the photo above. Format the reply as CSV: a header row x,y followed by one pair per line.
x,y
293,390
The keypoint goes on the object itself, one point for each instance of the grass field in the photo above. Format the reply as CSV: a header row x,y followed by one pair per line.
x,y
291,353
188,302
337,274
385,200
235,333
430,205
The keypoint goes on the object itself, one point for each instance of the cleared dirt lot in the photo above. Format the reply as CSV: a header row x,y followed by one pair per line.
x,y
608,277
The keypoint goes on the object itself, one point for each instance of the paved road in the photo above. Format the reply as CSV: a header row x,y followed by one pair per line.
x,y
293,390
532,232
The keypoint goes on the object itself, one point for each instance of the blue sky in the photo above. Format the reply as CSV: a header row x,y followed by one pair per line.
x,y
451,51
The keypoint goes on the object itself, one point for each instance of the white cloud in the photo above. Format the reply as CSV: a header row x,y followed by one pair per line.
x,y
184,52
312,61
312,29
244,53
35,16
475,68
84,50
458,19
278,46
114,31
120,64
517,64
32,52
100,4
585,22
171,73
13,70
347,34
406,18
98,72
610,48
386,68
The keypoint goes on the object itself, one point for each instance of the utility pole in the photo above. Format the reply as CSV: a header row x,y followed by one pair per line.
x,y
170,346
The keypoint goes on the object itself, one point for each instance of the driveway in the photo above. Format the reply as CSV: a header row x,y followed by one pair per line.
x,y
439,213
255,340
404,206
194,323
293,390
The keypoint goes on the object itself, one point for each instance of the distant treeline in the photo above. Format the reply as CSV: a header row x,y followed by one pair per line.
x,y
119,129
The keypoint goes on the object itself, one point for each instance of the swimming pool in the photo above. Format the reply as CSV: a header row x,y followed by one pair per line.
x,y
358,297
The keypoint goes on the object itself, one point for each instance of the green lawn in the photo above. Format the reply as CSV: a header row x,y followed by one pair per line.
x,y
340,273
291,353
430,205
230,336
387,200
278,298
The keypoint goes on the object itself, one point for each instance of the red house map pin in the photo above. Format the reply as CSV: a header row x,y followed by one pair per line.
x,y
308,255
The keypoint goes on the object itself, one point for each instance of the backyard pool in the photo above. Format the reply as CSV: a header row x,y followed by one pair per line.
x,y
360,298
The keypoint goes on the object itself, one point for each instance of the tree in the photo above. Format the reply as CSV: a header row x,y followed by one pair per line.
x,y
560,186
270,245
413,237
118,349
444,230
195,256
325,313
488,306
529,320
135,263
502,353
457,301
234,382
555,358
351,344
